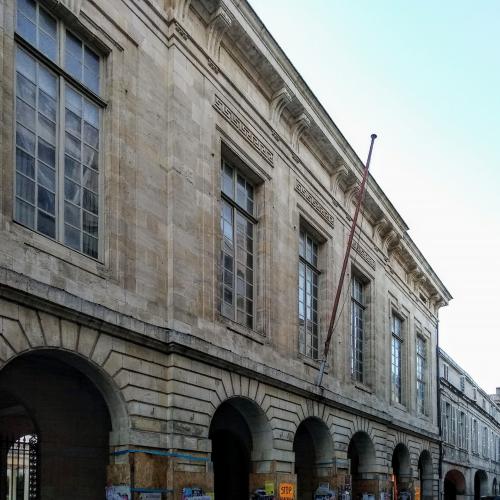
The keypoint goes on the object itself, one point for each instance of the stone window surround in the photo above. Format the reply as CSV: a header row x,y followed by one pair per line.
x,y
227,149
63,76
309,266
403,315
310,223
425,335
107,47
362,273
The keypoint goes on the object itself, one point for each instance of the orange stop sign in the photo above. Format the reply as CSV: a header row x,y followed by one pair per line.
x,y
286,491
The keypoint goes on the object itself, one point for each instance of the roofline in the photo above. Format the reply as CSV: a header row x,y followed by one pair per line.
x,y
289,68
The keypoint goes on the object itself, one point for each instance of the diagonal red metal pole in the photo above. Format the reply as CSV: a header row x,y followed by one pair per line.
x,y
344,265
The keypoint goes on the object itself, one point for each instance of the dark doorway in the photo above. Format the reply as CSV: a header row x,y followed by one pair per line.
x,y
238,429
480,484
361,453
425,474
313,448
454,484
231,459
52,411
401,469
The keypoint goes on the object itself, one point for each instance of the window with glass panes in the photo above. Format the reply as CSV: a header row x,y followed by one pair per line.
x,y
396,358
453,426
357,327
485,442
308,295
237,254
475,436
58,116
421,382
462,430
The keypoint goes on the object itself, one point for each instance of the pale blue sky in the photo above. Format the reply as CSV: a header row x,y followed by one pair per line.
x,y
425,76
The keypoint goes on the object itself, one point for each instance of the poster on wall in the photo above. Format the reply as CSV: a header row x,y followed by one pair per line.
x,y
118,493
150,496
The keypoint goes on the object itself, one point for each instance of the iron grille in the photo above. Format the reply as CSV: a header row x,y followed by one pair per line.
x,y
20,464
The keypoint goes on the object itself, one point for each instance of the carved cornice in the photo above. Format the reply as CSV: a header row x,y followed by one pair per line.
x,y
219,23
177,9
279,101
415,276
340,173
244,130
71,7
390,241
299,126
351,195
380,228
438,301
315,203
364,254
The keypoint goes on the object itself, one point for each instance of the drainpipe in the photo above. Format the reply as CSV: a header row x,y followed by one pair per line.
x,y
438,392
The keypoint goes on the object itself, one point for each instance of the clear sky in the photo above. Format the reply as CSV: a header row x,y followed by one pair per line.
x,y
425,76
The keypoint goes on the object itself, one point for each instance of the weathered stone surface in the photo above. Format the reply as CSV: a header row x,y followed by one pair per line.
x,y
144,319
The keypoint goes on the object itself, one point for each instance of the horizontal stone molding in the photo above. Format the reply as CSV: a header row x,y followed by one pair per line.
x,y
244,130
315,203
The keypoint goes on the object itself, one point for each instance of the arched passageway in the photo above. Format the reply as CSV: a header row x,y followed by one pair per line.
x,y
401,469
480,484
361,453
454,485
58,423
313,448
241,436
425,475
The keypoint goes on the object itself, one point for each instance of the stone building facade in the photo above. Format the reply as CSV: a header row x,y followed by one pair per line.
x,y
174,208
470,423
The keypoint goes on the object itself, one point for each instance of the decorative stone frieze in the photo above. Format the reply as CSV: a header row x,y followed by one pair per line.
x,y
363,254
315,203
219,22
244,130
182,32
212,65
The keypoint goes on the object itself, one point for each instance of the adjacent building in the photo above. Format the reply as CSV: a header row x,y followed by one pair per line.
x,y
174,209
470,423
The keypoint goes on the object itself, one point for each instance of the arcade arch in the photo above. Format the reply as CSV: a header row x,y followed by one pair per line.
x,y
313,448
425,474
401,469
454,484
242,439
53,395
361,453
480,484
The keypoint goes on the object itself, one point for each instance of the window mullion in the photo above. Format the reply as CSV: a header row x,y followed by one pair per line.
x,y
235,295
60,162
37,141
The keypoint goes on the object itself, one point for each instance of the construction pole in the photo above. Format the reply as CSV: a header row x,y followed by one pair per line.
x,y
344,266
